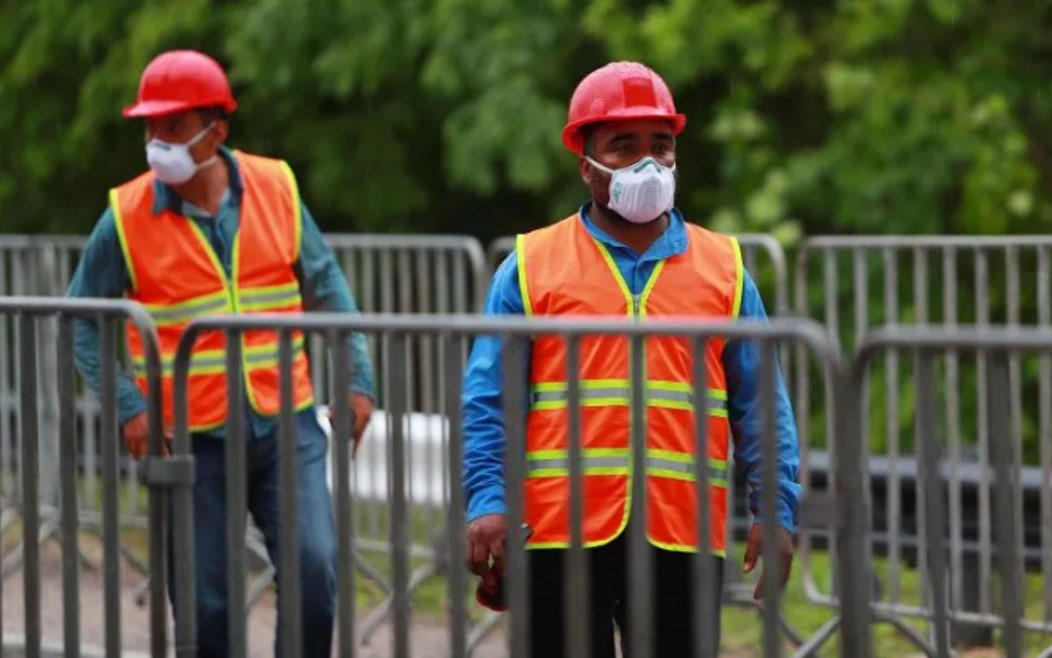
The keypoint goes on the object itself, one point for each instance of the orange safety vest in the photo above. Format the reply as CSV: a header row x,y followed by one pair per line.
x,y
563,270
177,276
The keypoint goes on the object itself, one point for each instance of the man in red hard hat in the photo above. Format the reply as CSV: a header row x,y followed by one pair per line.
x,y
207,230
628,251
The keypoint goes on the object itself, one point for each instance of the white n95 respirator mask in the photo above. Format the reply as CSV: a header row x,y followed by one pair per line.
x,y
172,163
641,192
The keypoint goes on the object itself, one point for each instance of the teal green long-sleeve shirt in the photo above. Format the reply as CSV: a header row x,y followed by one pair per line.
x,y
102,272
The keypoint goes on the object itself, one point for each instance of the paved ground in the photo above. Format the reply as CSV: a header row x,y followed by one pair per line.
x,y
430,638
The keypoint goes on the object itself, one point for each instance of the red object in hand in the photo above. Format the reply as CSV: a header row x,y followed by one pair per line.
x,y
490,592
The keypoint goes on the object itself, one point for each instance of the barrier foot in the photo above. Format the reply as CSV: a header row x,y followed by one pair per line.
x,y
811,647
371,572
1047,653
378,615
480,631
13,561
910,633
260,585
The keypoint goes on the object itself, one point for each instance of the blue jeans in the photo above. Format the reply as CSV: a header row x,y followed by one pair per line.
x,y
317,535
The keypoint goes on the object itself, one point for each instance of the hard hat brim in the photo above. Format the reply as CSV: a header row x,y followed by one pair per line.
x,y
574,142
148,109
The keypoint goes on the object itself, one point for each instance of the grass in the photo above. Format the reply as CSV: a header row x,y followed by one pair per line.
x,y
742,627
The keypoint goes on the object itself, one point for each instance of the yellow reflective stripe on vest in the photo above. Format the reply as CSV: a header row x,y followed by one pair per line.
x,y
660,463
211,362
264,298
617,392
594,461
184,312
683,466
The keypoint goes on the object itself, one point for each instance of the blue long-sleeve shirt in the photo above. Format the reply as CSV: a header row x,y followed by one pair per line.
x,y
483,424
102,272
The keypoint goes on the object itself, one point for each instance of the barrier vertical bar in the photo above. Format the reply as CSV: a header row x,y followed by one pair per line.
x,y
982,318
290,598
182,538
1015,376
705,577
920,310
1005,474
640,575
576,599
30,435
931,493
342,424
1044,311
452,358
68,484
953,428
832,321
110,474
772,566
852,515
160,499
892,429
398,378
236,498
6,447
513,398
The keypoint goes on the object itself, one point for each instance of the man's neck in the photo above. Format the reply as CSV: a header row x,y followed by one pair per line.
x,y
637,237
206,189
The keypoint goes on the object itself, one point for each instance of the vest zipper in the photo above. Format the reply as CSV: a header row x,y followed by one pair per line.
x,y
635,306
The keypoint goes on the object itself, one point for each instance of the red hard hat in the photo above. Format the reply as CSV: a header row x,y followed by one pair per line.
x,y
180,80
619,91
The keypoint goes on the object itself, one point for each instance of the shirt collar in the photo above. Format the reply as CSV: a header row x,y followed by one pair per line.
x,y
165,198
671,243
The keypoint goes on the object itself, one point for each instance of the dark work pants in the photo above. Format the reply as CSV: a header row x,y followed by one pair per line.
x,y
317,535
672,608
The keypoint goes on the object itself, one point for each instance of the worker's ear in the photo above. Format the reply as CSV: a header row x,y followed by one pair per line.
x,y
586,170
221,130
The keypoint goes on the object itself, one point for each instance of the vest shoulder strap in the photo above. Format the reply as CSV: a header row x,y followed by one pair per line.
x,y
530,247
721,252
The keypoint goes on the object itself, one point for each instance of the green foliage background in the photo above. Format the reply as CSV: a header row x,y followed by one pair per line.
x,y
912,116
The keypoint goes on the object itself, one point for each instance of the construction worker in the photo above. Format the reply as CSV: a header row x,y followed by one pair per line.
x,y
208,230
628,251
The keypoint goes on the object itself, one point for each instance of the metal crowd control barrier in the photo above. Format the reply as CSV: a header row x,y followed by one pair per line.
x,y
420,274
941,280
941,475
41,519
42,265
399,333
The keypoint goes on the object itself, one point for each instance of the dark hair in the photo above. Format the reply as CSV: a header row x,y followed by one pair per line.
x,y
210,114
589,140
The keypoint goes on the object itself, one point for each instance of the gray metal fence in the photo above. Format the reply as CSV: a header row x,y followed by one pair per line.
x,y
398,335
416,274
45,520
855,283
1011,600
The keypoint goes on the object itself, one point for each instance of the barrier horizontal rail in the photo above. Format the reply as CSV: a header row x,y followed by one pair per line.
x,y
398,331
29,312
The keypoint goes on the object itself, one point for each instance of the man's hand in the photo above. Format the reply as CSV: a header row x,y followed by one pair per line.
x,y
136,435
486,536
755,551
362,409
